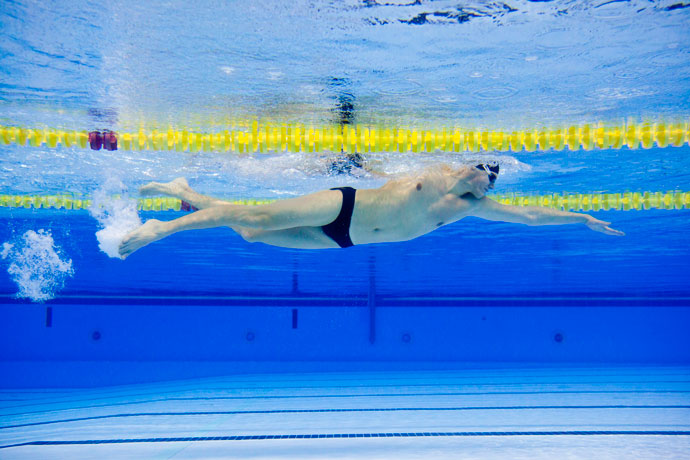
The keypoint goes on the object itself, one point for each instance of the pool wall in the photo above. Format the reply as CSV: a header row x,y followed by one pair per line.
x,y
86,343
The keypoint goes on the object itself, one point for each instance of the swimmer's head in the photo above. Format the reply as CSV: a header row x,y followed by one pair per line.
x,y
345,164
481,179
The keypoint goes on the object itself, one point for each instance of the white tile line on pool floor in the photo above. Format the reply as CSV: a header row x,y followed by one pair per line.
x,y
29,397
607,400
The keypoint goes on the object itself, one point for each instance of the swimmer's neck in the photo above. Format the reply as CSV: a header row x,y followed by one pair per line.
x,y
458,181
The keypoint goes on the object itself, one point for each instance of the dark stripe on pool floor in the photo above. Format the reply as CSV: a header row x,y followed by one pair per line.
x,y
355,435
314,411
316,383
365,395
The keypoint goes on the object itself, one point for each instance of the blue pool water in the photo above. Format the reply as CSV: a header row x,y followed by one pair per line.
x,y
479,340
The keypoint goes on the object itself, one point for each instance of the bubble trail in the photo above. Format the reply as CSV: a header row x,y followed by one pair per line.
x,y
36,265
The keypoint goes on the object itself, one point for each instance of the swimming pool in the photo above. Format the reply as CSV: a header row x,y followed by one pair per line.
x,y
554,339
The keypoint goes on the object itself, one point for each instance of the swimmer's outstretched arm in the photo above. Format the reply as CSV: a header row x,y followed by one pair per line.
x,y
489,209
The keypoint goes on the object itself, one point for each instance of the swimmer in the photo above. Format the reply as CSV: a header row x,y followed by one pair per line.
x,y
346,163
400,210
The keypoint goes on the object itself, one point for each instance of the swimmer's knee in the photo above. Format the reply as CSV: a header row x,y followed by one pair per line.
x,y
254,217
249,235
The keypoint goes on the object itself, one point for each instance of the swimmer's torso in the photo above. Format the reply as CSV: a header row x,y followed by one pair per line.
x,y
406,208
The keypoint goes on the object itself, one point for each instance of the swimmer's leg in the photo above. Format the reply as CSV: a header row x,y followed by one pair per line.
x,y
179,188
295,238
314,210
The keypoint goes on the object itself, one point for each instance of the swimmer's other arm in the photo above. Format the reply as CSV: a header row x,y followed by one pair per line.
x,y
489,209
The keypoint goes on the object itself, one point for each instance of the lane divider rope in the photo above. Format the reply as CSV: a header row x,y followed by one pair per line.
x,y
295,137
627,201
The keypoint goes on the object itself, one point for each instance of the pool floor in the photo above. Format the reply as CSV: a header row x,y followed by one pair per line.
x,y
530,413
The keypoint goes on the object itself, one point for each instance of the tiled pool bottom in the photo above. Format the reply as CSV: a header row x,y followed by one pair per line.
x,y
602,413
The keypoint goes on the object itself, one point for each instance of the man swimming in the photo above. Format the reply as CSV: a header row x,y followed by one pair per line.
x,y
400,210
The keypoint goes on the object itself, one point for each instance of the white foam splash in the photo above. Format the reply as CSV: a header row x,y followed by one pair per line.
x,y
116,213
36,265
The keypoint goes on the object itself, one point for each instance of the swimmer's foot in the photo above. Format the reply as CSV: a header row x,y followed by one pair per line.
x,y
176,188
152,230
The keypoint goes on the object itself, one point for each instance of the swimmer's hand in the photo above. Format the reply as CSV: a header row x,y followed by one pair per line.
x,y
601,226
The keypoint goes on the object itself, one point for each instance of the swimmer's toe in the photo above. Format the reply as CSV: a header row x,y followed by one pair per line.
x,y
140,237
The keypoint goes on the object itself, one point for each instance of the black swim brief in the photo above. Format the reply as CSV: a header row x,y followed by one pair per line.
x,y
339,229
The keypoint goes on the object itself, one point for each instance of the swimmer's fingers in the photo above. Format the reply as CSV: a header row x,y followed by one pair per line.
x,y
612,231
604,228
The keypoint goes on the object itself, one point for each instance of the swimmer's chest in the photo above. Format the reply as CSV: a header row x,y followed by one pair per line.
x,y
406,212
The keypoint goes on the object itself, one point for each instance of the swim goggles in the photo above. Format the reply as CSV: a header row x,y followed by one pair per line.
x,y
491,170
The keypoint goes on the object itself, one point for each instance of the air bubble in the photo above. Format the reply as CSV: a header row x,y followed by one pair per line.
x,y
117,216
499,92
395,87
37,265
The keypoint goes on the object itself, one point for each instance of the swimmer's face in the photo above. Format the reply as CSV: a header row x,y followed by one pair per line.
x,y
479,183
